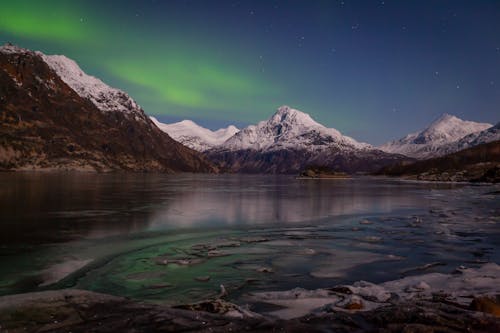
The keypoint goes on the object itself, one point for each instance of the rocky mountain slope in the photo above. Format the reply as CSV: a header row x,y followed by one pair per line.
x,y
480,163
195,136
54,116
289,141
437,139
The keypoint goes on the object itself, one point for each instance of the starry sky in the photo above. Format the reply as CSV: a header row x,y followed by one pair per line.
x,y
375,70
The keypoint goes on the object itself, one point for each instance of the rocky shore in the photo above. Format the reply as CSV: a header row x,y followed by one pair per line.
x,y
467,300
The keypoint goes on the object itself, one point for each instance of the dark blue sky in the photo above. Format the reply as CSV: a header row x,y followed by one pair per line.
x,y
375,70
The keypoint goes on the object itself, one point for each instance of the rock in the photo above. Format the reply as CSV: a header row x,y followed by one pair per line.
x,y
486,304
419,287
352,303
223,291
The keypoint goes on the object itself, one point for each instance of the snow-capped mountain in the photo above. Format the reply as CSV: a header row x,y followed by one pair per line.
x,y
290,129
57,117
474,139
430,142
290,141
195,136
102,95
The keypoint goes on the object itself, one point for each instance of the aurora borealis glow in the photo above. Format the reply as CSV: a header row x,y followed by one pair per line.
x,y
375,70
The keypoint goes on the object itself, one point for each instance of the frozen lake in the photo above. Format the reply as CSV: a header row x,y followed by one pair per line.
x,y
177,238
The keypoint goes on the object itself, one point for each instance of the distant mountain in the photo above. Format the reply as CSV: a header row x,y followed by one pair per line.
x,y
195,136
54,116
480,163
290,141
488,135
290,128
431,141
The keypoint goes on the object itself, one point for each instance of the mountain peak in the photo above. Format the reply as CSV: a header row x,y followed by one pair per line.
x,y
444,120
448,127
289,128
441,132
292,117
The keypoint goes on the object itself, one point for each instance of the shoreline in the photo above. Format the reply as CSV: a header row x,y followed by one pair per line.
x,y
465,300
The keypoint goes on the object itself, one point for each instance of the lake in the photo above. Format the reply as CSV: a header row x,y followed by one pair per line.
x,y
177,238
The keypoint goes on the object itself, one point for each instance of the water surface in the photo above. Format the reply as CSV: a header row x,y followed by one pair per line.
x,y
177,238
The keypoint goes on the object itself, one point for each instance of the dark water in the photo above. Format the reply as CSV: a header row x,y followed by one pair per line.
x,y
176,238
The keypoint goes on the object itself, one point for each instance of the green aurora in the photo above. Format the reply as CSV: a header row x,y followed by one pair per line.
x,y
374,71
166,74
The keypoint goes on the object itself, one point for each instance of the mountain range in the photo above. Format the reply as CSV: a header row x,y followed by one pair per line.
x,y
54,116
290,140
194,136
445,135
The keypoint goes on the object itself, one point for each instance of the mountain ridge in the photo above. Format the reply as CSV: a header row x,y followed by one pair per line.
x,y
195,136
48,125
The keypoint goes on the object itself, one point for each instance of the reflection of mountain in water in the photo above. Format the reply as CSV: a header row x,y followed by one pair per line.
x,y
61,207
248,200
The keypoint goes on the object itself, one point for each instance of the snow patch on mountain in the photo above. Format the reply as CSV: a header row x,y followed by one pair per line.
x,y
195,136
488,135
89,87
430,142
290,129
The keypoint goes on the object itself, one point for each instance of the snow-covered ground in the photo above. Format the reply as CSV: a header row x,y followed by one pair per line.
x,y
458,288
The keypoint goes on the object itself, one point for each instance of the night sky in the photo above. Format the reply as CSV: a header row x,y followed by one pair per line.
x,y
375,70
